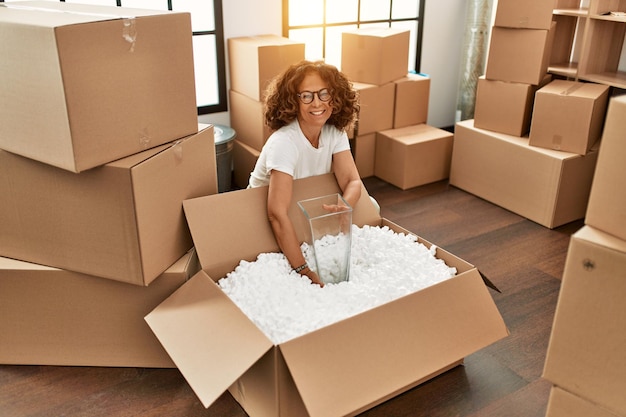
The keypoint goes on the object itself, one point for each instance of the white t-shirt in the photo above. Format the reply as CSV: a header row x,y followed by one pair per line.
x,y
289,151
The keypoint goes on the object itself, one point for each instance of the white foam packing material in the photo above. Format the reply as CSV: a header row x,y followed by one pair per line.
x,y
384,266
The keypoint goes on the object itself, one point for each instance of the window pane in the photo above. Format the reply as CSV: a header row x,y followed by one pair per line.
x,y
342,11
412,26
333,44
403,9
146,4
312,39
202,13
374,9
204,52
306,12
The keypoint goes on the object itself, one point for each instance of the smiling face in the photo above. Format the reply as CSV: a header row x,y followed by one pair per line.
x,y
316,113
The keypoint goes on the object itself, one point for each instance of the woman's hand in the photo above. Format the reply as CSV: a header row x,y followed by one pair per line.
x,y
315,279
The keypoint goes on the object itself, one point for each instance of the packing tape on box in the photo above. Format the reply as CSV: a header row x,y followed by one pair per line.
x,y
571,89
129,32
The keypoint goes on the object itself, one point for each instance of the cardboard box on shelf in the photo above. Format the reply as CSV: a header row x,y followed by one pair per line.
x,y
364,152
413,155
244,160
411,102
375,55
505,107
546,186
254,60
246,117
122,221
519,55
607,202
566,404
530,14
51,316
588,340
75,92
569,116
217,348
376,112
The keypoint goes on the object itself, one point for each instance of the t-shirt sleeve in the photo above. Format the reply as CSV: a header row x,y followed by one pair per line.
x,y
282,155
341,142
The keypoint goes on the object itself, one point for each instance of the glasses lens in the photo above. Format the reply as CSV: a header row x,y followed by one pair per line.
x,y
306,97
323,95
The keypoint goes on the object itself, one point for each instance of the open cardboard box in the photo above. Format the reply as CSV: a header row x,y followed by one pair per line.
x,y
339,370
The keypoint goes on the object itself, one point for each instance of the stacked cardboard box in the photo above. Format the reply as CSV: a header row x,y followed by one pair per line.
x,y
100,145
253,62
542,178
585,359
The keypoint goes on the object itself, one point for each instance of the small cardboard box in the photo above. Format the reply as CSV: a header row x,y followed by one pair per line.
x,y
566,404
364,151
569,116
244,160
519,55
254,60
586,350
413,155
529,14
411,103
217,348
246,117
123,220
375,55
376,112
75,92
546,186
51,316
505,107
607,202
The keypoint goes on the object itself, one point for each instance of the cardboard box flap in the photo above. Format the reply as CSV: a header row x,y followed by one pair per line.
x,y
410,339
239,219
209,339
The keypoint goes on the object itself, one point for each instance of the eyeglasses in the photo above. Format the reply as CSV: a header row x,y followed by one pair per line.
x,y
306,97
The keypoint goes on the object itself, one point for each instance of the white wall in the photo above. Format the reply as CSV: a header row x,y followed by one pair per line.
x,y
441,47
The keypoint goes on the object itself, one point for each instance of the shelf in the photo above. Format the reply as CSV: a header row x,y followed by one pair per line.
x,y
571,12
615,79
566,69
608,18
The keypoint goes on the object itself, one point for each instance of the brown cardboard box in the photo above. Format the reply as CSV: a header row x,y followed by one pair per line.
x,y
376,111
586,350
569,116
505,107
411,103
217,348
50,316
566,404
246,117
254,60
519,55
529,14
413,155
607,202
75,93
364,147
375,55
122,221
546,186
244,160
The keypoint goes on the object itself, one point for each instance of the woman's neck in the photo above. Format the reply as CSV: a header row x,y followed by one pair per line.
x,y
312,133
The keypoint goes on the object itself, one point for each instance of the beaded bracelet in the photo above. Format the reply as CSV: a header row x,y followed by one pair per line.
x,y
301,268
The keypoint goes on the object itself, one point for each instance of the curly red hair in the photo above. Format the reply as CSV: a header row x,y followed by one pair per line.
x,y
281,102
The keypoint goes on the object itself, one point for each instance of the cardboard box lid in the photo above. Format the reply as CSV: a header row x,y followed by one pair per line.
x,y
567,88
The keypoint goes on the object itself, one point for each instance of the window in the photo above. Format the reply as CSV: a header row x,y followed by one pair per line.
x,y
319,24
208,44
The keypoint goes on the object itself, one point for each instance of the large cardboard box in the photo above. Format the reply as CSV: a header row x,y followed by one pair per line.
x,y
368,358
364,152
529,14
123,220
505,107
607,202
566,404
413,155
546,186
376,112
411,101
246,117
254,60
51,316
244,160
375,55
75,92
519,55
569,115
586,350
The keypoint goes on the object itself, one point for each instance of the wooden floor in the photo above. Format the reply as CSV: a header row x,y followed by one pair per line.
x,y
523,259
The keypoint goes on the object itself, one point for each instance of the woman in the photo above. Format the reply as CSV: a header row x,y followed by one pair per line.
x,y
309,106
